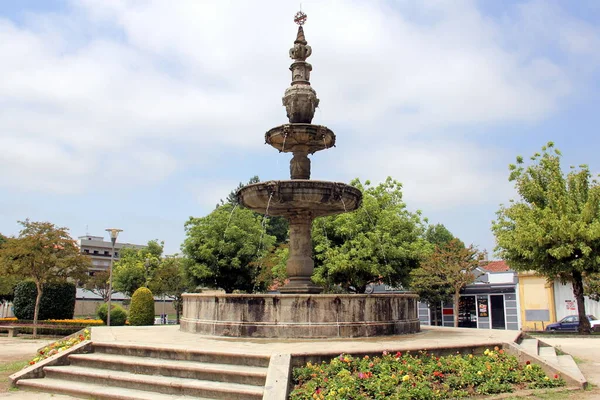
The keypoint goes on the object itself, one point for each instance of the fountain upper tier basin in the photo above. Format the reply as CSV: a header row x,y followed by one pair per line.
x,y
300,197
306,138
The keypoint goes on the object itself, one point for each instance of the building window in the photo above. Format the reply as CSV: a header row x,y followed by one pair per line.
x,y
106,253
87,251
95,251
116,254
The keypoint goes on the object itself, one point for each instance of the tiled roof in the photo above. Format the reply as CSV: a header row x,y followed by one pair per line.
x,y
496,266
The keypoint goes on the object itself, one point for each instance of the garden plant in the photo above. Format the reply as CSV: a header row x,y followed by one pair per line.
x,y
118,316
141,311
398,376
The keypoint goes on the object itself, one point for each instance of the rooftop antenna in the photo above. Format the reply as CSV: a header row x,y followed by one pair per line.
x,y
87,233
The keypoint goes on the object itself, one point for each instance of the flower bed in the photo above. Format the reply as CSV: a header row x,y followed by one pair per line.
x,y
58,327
420,376
59,346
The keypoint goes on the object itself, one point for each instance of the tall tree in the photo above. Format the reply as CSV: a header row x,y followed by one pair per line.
x,y
44,253
438,235
379,242
277,226
136,266
170,279
554,229
445,272
223,245
98,284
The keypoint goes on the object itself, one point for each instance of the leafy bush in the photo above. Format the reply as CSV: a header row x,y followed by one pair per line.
x,y
141,311
118,315
421,376
57,302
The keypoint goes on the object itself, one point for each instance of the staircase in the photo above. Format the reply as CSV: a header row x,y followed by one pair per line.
x,y
563,362
132,372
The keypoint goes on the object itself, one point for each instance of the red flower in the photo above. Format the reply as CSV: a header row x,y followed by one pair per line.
x,y
555,376
527,362
398,354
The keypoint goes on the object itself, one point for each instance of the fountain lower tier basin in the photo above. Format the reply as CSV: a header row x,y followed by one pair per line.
x,y
300,197
300,315
307,138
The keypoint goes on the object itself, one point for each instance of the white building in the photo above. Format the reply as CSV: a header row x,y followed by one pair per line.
x,y
100,250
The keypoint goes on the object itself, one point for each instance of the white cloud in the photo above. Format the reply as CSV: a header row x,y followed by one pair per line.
x,y
115,87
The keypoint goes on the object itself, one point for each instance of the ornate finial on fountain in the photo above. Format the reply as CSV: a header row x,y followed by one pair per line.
x,y
300,100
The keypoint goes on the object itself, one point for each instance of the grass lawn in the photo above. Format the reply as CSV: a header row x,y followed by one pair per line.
x,y
7,369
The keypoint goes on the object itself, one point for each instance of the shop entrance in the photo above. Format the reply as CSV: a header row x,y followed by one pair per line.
x,y
467,312
497,308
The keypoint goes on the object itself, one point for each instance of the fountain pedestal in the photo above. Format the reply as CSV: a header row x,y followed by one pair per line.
x,y
300,263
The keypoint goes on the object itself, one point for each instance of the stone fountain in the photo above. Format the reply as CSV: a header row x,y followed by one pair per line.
x,y
300,310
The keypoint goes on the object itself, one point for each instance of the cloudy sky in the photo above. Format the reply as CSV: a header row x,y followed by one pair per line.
x,y
139,114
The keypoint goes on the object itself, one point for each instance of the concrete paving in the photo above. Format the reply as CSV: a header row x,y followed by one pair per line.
x,y
429,338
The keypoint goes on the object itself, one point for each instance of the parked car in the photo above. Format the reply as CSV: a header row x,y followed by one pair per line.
x,y
571,323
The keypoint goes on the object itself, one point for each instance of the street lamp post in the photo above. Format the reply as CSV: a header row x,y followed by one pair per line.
x,y
113,238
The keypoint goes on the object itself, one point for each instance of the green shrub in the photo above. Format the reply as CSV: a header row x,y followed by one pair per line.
x,y
118,315
57,302
141,311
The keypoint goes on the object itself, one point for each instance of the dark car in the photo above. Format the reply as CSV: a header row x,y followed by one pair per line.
x,y
571,323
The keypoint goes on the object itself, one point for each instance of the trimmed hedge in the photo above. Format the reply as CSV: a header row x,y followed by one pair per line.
x,y
141,311
118,315
57,302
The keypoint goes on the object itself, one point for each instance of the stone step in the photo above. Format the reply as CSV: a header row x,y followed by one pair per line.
x,y
530,345
179,368
549,354
568,364
129,349
94,391
156,383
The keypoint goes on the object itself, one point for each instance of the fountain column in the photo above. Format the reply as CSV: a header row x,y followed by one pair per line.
x,y
300,264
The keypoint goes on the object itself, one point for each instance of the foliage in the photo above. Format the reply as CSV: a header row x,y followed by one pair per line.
x,y
135,267
592,286
98,284
421,376
118,315
381,241
222,247
445,272
438,235
59,346
277,226
272,268
141,311
554,229
57,301
44,253
170,279
7,287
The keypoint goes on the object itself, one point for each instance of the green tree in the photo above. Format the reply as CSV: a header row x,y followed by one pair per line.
x,y
171,279
592,286
272,268
277,226
8,282
554,229
136,266
43,253
381,241
98,284
438,235
222,247
445,272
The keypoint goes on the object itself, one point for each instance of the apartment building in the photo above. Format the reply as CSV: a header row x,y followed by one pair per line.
x,y
100,250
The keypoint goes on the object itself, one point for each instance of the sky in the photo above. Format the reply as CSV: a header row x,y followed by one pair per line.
x,y
138,114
